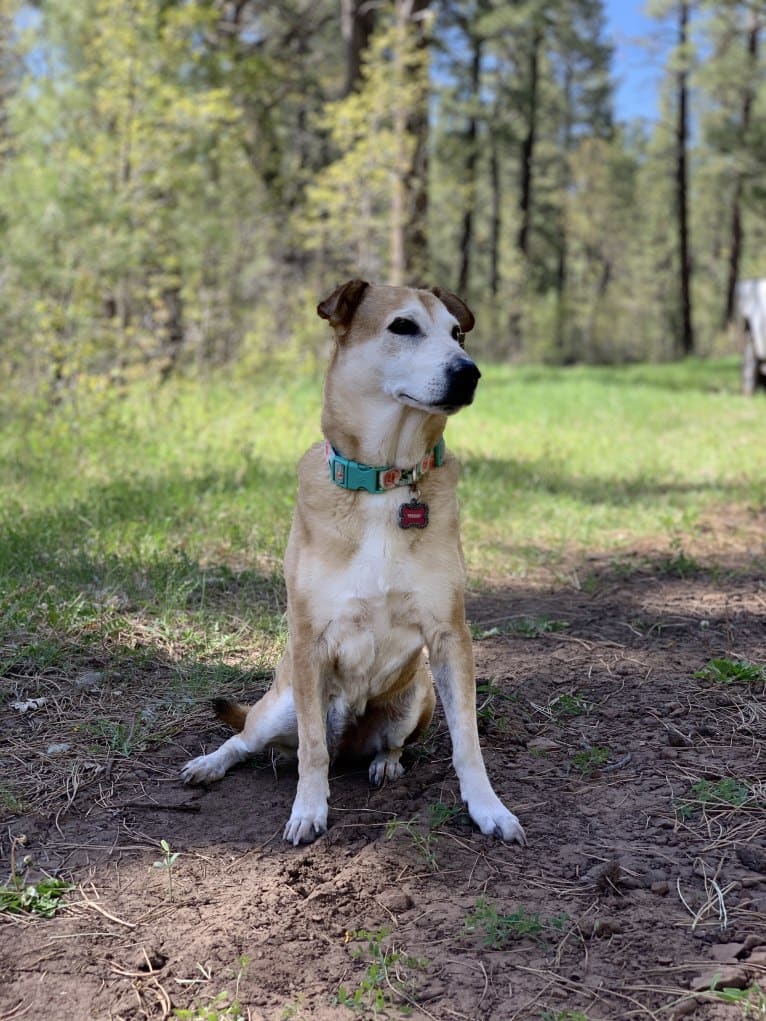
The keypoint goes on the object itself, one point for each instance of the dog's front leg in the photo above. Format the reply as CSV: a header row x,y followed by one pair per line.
x,y
451,659
308,819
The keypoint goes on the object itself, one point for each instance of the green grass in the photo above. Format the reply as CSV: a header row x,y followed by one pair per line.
x,y
729,671
153,523
708,795
590,760
389,975
499,930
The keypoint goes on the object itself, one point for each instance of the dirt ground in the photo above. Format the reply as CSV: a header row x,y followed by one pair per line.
x,y
639,889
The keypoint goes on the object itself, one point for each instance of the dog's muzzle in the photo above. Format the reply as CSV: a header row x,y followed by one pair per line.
x,y
462,377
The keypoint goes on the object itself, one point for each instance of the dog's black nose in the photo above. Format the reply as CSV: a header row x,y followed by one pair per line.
x,y
462,377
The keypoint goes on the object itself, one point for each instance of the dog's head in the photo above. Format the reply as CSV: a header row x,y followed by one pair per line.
x,y
413,342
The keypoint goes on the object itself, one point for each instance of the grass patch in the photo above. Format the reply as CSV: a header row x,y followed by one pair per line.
x,y
388,979
729,671
722,794
591,760
422,838
520,627
751,1001
499,930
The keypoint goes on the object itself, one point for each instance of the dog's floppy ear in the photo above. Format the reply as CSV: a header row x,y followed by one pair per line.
x,y
457,307
341,305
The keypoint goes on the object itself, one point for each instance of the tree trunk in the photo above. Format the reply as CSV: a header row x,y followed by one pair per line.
x,y
682,187
409,202
172,329
416,181
471,151
735,244
528,145
562,253
357,18
495,215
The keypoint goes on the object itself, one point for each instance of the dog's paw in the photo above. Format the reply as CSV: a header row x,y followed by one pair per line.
x,y
203,769
303,829
384,769
494,820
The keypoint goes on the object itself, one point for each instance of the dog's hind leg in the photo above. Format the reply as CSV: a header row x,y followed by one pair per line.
x,y
271,721
401,722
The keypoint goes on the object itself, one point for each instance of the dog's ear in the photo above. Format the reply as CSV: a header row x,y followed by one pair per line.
x,y
457,307
341,305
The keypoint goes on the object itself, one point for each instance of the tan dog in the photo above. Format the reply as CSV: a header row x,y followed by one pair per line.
x,y
373,574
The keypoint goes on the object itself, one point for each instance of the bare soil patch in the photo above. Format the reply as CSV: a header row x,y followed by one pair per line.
x,y
637,888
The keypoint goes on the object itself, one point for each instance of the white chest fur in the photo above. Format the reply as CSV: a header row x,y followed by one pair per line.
x,y
371,607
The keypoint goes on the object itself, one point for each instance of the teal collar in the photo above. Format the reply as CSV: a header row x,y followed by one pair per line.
x,y
352,475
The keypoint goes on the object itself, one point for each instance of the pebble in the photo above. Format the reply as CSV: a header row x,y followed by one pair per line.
x,y
89,679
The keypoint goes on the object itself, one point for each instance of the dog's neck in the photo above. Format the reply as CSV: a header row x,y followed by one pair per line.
x,y
378,432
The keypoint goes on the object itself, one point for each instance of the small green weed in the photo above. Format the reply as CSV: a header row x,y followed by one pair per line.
x,y
591,759
499,930
729,671
752,1000
224,1006
563,1015
42,898
729,793
520,627
120,738
19,896
422,841
565,706
9,800
490,696
167,861
221,1009
677,562
388,974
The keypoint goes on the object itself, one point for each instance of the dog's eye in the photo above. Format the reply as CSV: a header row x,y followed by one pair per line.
x,y
404,327
458,335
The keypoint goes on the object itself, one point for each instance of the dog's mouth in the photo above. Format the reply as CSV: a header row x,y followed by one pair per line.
x,y
434,408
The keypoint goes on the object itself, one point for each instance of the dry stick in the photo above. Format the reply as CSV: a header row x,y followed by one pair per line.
x,y
534,1000
104,912
18,1011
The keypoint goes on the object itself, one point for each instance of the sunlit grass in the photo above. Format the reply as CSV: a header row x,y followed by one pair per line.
x,y
169,509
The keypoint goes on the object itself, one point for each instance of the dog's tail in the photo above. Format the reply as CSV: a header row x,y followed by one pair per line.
x,y
231,713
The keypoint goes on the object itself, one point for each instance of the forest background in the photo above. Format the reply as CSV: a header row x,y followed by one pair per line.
x,y
181,180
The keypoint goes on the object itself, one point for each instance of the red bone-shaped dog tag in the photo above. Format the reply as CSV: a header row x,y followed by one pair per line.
x,y
413,514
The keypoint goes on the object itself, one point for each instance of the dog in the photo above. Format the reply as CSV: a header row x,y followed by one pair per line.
x,y
374,566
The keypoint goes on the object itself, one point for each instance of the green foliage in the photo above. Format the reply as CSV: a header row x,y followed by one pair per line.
x,y
423,839
224,1006
521,627
502,930
179,183
563,1015
351,205
590,760
42,898
568,705
730,671
751,1001
167,862
221,1009
388,974
706,794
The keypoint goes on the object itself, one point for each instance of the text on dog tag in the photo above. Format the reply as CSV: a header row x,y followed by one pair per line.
x,y
413,514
